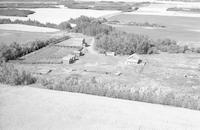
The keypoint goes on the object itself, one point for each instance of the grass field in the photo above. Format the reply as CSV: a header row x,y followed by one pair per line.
x,y
8,37
183,29
52,54
26,28
33,108
15,12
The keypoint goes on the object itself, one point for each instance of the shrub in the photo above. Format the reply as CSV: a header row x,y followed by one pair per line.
x,y
64,26
123,43
12,76
116,89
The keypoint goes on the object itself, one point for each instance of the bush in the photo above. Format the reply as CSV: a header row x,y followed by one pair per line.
x,y
171,46
64,26
12,76
116,89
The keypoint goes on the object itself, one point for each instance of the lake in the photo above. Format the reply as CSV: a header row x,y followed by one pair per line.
x,y
57,15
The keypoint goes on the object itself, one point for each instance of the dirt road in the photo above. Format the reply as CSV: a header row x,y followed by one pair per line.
x,y
27,108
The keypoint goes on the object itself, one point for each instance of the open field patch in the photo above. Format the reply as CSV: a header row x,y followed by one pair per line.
x,y
47,55
15,12
178,29
87,111
8,36
27,28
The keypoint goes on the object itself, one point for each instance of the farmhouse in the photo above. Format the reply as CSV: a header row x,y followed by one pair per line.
x,y
133,59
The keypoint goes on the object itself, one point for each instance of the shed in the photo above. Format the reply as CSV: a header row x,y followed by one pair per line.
x,y
110,54
77,54
133,59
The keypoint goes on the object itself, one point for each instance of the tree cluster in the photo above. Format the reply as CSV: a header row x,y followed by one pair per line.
x,y
124,44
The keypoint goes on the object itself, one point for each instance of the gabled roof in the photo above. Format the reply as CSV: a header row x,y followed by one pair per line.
x,y
134,56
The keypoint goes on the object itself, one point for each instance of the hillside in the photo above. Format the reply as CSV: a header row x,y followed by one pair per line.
x,y
33,108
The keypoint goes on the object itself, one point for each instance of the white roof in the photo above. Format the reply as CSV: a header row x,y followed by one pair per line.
x,y
68,57
134,56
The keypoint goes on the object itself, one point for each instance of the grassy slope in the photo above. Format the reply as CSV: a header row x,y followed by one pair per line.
x,y
26,28
8,37
15,12
32,108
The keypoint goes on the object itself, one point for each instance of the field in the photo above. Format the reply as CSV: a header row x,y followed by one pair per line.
x,y
47,55
81,111
15,12
8,36
183,29
26,28
141,71
52,54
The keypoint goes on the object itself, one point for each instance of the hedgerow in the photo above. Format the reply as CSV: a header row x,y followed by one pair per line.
x,y
116,89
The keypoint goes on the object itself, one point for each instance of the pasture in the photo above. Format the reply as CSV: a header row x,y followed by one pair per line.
x,y
15,12
27,28
47,55
182,29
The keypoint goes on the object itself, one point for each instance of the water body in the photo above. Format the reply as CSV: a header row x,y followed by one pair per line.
x,y
57,15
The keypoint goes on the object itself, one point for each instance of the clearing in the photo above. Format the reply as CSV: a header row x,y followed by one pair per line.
x,y
33,108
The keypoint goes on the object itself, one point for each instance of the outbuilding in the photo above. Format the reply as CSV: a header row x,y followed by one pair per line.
x,y
69,59
133,59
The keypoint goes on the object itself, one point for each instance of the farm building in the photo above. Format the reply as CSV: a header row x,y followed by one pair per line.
x,y
110,54
68,59
77,54
133,59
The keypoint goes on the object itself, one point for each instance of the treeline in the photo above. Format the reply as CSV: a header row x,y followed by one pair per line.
x,y
15,12
146,24
132,23
15,50
196,10
61,26
109,39
102,5
28,5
